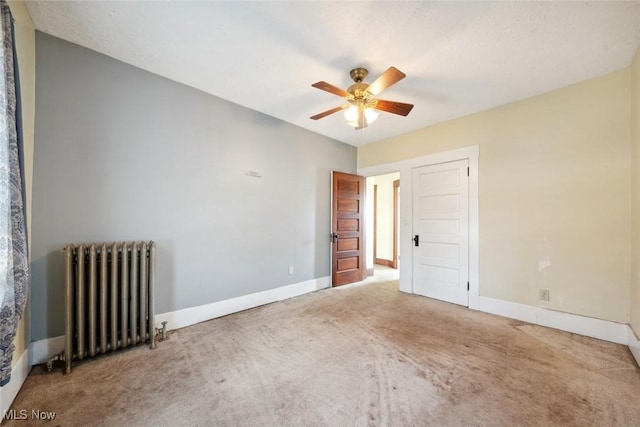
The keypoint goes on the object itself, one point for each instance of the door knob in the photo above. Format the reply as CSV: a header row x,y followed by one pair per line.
x,y
416,240
334,237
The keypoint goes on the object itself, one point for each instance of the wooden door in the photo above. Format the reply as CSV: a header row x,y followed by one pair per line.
x,y
347,229
441,231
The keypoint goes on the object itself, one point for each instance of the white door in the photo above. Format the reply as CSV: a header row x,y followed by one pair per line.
x,y
441,231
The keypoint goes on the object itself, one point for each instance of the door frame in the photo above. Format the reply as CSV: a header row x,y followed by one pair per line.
x,y
405,167
393,262
375,224
396,190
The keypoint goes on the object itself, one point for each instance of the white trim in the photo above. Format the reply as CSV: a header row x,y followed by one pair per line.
x,y
474,230
634,345
587,326
512,310
190,316
405,167
19,375
45,349
431,159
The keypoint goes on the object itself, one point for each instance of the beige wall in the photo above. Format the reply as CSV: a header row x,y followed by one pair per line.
x,y
554,185
635,194
26,48
384,210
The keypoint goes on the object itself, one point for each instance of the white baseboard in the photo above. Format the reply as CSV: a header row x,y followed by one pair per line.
x,y
587,326
19,375
191,316
634,345
512,310
45,349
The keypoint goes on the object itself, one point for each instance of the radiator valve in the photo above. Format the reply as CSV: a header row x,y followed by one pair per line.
x,y
57,357
162,331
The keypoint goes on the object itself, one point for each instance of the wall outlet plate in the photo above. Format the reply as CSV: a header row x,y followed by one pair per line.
x,y
291,270
545,295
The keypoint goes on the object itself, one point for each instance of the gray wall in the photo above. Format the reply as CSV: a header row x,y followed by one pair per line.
x,y
123,154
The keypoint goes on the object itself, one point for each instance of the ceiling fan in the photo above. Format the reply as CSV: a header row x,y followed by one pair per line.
x,y
361,97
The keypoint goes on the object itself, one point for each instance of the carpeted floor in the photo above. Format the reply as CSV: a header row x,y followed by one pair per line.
x,y
365,355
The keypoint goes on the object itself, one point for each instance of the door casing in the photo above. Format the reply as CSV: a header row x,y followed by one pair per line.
x,y
405,168
393,262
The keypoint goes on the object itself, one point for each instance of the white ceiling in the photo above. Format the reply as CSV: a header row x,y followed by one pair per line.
x,y
459,57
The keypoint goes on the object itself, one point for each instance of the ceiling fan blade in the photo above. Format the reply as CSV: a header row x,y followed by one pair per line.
x,y
328,112
388,78
399,108
331,89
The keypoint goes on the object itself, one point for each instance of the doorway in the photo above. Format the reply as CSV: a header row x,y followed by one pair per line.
x,y
383,224
406,223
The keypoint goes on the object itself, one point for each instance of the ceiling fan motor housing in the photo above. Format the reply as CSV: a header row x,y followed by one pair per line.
x,y
359,93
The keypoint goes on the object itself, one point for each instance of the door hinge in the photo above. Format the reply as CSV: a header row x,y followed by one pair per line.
x,y
467,285
467,170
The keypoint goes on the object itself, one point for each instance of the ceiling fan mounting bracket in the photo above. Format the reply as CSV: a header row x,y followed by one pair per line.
x,y
359,74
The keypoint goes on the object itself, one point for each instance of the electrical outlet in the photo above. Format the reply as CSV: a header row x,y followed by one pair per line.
x,y
545,295
291,270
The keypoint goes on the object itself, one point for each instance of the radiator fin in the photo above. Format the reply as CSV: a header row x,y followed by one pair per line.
x,y
108,297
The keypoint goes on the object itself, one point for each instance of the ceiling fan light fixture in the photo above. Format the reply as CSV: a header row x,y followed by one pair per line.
x,y
354,114
370,115
351,114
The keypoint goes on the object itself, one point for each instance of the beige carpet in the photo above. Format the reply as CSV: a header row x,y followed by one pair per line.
x,y
366,355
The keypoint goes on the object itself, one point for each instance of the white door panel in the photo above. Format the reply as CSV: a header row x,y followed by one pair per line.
x,y
440,228
441,222
436,204
439,179
443,254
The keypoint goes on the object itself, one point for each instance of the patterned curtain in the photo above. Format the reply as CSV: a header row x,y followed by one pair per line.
x,y
14,262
